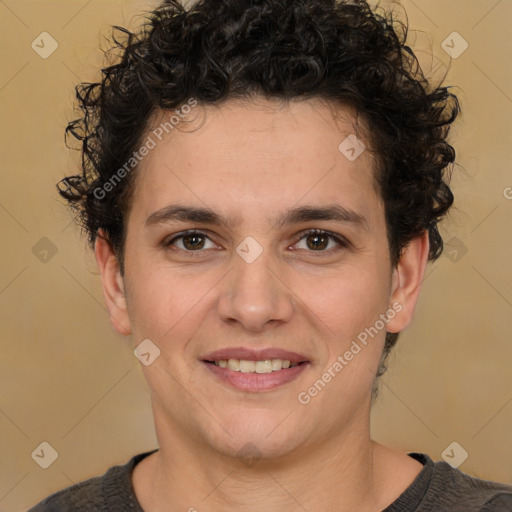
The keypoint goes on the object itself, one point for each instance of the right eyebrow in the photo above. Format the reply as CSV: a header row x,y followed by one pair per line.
x,y
184,213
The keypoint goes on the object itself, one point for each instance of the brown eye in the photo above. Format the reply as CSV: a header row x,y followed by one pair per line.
x,y
192,241
318,240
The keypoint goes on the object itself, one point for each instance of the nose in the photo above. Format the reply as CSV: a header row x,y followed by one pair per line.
x,y
255,293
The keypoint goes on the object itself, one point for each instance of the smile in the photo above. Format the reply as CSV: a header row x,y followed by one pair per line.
x,y
254,376
248,366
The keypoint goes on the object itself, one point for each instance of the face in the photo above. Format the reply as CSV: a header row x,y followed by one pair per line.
x,y
290,263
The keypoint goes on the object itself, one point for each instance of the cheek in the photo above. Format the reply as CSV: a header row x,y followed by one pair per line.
x,y
165,304
351,300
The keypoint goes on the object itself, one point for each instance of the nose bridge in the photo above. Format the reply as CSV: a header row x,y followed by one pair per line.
x,y
254,293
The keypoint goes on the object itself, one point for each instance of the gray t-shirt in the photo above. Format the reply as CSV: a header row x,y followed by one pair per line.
x,y
437,488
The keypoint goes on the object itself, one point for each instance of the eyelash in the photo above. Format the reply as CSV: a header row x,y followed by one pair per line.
x,y
341,241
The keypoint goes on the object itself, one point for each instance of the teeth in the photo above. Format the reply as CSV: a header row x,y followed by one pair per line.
x,y
233,364
263,366
277,364
246,366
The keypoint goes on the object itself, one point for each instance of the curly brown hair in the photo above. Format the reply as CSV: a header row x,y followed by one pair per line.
x,y
339,51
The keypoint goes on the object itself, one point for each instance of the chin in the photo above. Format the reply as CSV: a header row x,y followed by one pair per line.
x,y
258,437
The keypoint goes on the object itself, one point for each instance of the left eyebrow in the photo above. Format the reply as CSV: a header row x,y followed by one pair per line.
x,y
188,213
333,212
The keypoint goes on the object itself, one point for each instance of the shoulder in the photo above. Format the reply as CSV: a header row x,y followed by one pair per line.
x,y
86,495
453,490
111,491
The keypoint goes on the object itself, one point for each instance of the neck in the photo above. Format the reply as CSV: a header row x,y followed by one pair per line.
x,y
343,472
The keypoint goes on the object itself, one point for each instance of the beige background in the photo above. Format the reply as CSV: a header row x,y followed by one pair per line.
x,y
69,380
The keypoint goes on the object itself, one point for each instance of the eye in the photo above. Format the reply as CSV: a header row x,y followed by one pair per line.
x,y
317,240
192,241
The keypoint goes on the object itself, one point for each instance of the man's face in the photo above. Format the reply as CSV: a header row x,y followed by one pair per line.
x,y
255,284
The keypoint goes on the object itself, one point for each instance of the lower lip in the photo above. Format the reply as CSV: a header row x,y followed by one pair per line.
x,y
255,382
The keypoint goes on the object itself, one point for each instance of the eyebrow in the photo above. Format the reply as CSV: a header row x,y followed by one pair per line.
x,y
187,213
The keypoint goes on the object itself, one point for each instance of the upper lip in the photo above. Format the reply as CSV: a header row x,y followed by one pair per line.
x,y
250,354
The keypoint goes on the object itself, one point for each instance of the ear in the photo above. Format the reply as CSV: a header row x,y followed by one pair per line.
x,y
113,284
406,282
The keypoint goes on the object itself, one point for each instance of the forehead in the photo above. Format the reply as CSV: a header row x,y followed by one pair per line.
x,y
259,156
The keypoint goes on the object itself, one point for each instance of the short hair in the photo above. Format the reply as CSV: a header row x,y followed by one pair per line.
x,y
343,52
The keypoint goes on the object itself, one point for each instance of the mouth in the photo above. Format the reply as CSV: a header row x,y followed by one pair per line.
x,y
255,371
260,366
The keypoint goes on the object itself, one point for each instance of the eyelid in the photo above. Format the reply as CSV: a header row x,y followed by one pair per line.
x,y
340,239
182,234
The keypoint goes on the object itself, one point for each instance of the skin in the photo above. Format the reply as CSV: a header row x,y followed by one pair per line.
x,y
254,161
